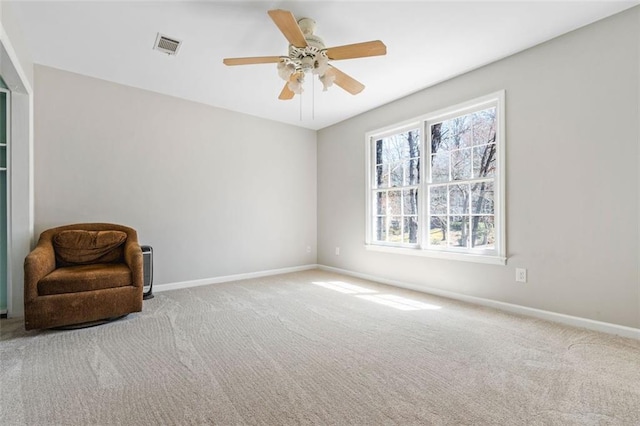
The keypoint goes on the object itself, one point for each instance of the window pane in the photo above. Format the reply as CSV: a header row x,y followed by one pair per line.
x,y
395,229
412,171
463,131
411,229
410,202
459,199
413,143
388,153
440,167
379,145
446,141
484,161
458,231
482,198
436,138
484,126
456,133
397,159
461,164
381,203
381,228
382,176
397,175
438,199
438,231
395,203
483,231
397,147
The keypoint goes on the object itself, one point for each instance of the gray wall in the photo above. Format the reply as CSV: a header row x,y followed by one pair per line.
x,y
214,192
572,135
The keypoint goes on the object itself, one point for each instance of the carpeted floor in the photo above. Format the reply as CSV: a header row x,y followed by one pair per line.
x,y
317,348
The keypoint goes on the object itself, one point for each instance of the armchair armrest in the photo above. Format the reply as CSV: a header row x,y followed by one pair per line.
x,y
38,264
133,259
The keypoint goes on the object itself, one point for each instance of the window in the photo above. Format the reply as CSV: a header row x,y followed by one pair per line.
x,y
397,175
435,184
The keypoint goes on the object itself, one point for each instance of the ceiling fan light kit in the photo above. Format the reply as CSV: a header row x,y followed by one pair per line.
x,y
308,54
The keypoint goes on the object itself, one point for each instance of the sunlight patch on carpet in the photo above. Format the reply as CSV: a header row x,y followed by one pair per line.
x,y
343,287
397,302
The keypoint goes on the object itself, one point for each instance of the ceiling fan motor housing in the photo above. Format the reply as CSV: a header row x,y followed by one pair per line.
x,y
307,26
312,57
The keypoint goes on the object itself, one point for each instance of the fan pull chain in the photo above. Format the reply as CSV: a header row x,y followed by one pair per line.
x,y
300,96
313,98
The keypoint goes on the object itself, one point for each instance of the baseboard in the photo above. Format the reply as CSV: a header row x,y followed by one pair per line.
x,y
237,277
605,327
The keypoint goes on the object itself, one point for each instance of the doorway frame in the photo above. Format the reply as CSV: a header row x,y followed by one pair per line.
x,y
20,232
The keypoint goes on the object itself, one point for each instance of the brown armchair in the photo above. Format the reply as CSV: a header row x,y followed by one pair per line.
x,y
82,273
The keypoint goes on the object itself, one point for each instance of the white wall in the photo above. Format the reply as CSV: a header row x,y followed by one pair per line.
x,y
11,26
572,108
214,192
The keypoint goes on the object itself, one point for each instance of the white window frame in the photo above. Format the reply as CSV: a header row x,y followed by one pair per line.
x,y
496,256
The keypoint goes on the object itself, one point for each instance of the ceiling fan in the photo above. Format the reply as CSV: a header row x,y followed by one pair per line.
x,y
307,53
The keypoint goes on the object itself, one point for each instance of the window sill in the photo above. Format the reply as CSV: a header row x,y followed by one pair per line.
x,y
465,257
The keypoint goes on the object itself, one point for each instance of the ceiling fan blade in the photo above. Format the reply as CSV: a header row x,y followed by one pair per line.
x,y
286,22
343,80
358,50
286,93
253,60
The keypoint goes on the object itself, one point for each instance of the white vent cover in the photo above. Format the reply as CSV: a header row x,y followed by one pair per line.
x,y
168,45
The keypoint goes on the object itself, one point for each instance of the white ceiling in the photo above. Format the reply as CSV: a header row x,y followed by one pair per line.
x,y
427,42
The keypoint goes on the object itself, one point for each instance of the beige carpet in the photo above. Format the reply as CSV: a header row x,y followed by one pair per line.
x,y
282,350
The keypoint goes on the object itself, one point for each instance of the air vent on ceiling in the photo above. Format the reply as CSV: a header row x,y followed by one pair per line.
x,y
168,45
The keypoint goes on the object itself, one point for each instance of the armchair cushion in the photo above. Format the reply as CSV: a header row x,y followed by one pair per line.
x,y
81,247
75,279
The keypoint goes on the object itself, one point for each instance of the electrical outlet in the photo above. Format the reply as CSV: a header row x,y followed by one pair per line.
x,y
521,275
337,251
308,249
